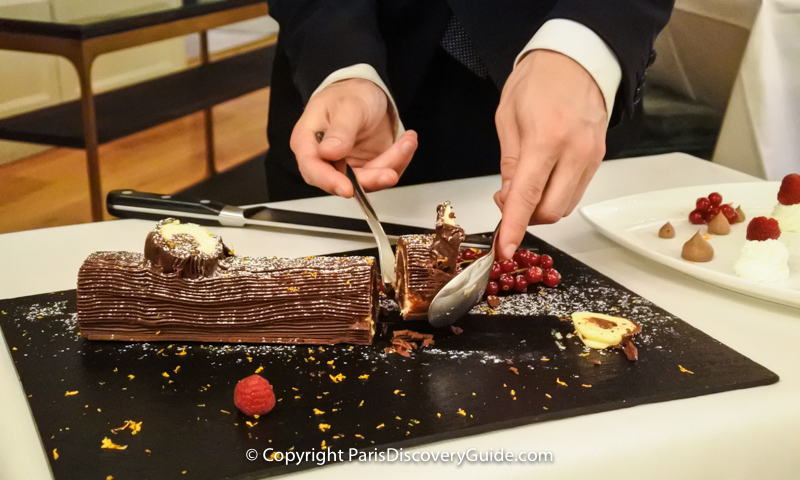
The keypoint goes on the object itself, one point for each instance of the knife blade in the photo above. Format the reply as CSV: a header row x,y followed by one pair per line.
x,y
154,206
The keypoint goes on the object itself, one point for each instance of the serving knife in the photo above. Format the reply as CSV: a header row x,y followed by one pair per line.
x,y
154,206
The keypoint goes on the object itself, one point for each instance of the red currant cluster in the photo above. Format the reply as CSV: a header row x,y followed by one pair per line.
x,y
706,208
515,275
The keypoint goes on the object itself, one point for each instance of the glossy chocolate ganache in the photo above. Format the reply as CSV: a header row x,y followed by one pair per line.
x,y
425,263
187,288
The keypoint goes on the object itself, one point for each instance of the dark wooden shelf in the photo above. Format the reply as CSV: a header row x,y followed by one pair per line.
x,y
138,107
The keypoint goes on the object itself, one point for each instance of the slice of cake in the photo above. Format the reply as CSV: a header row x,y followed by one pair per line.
x,y
188,286
425,263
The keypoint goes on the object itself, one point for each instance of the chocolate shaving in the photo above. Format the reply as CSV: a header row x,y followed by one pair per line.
x,y
630,351
405,341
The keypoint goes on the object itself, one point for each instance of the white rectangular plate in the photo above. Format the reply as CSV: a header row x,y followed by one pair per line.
x,y
634,221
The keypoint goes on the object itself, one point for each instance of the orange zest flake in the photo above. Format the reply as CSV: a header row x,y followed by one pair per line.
x,y
131,377
323,446
55,454
358,435
259,369
165,375
177,368
337,378
225,412
293,289
182,352
135,427
317,411
69,394
313,274
363,377
513,392
462,412
514,369
251,424
379,426
544,359
438,415
361,404
547,395
398,391
107,444
558,381
147,450
684,370
586,385
323,427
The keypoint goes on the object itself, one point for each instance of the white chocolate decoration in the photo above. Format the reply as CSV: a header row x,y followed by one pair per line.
x,y
600,331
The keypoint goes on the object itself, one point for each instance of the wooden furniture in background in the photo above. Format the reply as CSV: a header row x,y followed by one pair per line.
x,y
154,102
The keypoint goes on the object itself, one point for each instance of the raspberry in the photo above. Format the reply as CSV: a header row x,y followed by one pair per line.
x,y
254,396
763,228
789,194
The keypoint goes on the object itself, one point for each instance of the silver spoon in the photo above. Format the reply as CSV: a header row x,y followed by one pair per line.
x,y
463,292
385,255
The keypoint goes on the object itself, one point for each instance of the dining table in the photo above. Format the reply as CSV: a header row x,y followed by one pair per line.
x,y
743,433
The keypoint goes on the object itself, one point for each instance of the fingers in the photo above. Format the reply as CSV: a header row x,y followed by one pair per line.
x,y
315,170
384,170
345,123
509,136
524,193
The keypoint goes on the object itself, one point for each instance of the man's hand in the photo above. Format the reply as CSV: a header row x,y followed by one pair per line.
x,y
551,122
354,115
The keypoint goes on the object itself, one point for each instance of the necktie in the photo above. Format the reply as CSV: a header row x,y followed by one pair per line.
x,y
456,42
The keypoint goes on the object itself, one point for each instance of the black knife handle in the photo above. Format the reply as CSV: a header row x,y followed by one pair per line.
x,y
154,206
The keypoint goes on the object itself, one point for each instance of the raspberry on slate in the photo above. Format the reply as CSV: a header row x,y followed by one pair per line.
x,y
254,396
763,228
789,194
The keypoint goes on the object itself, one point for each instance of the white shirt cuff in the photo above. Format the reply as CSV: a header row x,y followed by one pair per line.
x,y
581,44
367,72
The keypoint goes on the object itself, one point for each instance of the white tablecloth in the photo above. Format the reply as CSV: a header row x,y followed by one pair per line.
x,y
751,433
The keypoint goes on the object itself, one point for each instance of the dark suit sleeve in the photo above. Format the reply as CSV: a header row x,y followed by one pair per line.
x,y
629,28
320,37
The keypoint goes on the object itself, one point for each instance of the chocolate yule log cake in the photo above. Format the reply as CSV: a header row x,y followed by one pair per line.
x,y
189,286
425,263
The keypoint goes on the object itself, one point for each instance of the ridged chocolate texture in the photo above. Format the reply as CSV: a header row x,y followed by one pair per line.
x,y
419,277
315,300
181,254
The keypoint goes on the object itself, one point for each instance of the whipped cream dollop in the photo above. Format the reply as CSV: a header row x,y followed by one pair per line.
x,y
763,261
788,217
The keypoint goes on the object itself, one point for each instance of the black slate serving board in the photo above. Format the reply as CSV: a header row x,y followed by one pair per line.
x,y
463,385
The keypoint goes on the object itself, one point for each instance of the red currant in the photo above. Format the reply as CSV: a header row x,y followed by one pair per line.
x,y
703,203
546,261
534,259
715,199
709,215
534,275
496,271
469,254
508,265
552,278
506,282
519,256
729,212
697,217
492,288
520,284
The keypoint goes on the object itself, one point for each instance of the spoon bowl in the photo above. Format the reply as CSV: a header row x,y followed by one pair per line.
x,y
463,292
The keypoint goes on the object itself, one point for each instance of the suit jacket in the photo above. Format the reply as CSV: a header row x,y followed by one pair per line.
x,y
434,94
